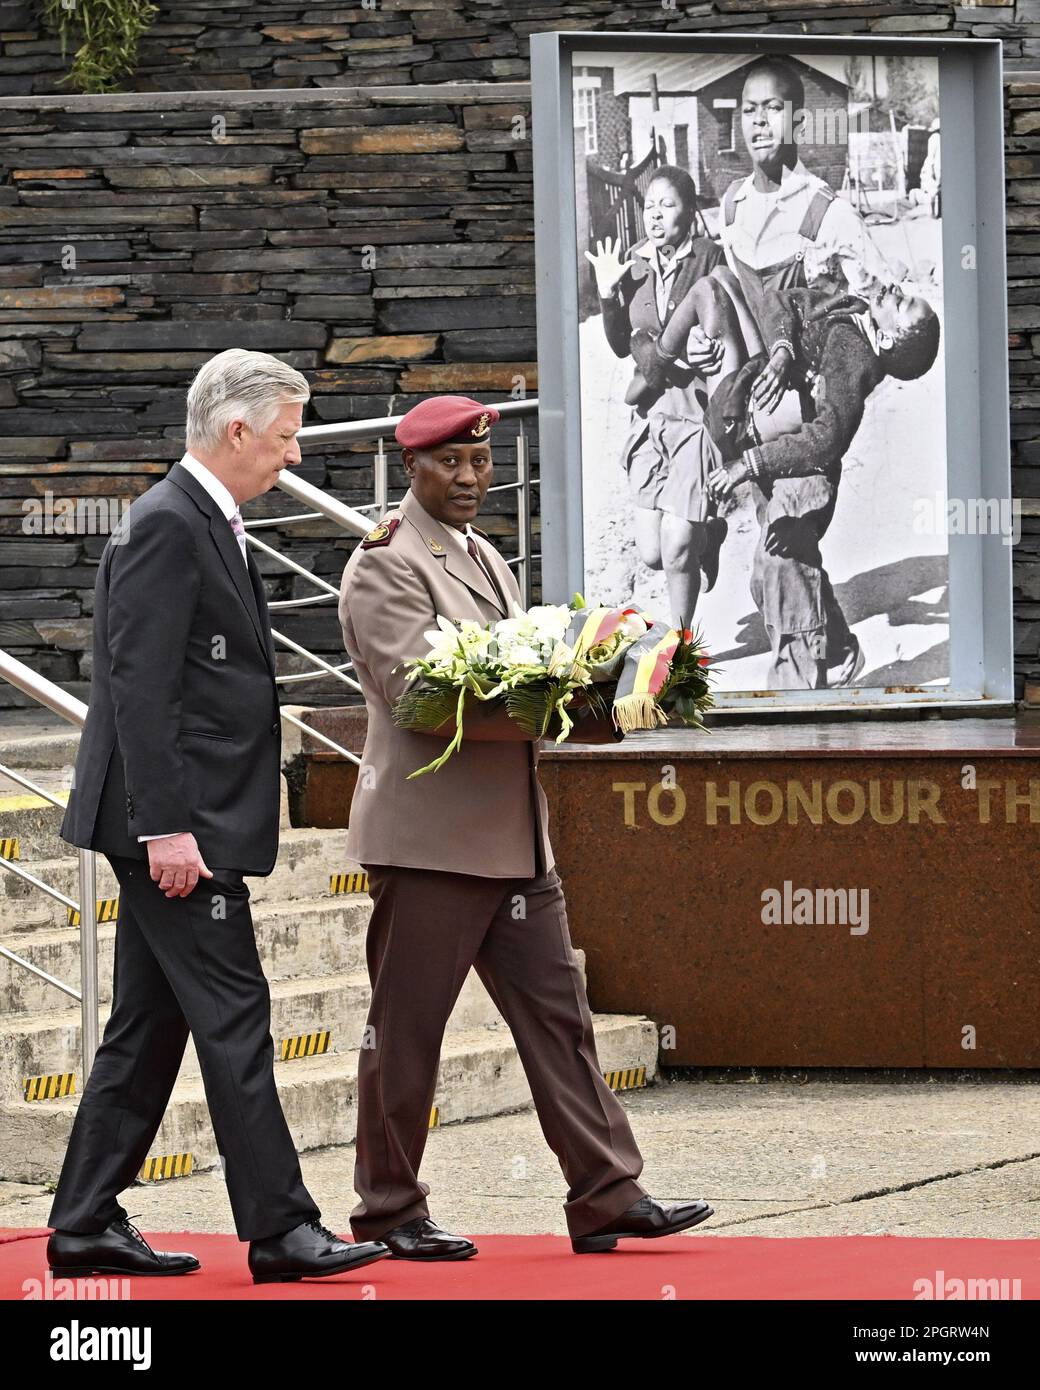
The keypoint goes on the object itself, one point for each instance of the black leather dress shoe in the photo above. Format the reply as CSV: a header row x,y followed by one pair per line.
x,y
120,1249
310,1251
423,1239
646,1220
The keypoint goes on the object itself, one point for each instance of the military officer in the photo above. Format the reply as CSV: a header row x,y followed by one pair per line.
x,y
461,873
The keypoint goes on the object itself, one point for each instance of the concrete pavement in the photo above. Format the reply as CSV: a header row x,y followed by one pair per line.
x,y
776,1157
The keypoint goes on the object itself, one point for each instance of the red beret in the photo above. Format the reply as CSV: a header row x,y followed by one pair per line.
x,y
446,420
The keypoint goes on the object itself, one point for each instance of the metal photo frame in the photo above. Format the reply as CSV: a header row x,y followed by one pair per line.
x,y
975,333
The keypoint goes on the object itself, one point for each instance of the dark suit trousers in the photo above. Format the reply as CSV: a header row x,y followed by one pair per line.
x,y
427,929
184,964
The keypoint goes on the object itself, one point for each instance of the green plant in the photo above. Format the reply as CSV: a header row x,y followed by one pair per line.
x,y
106,34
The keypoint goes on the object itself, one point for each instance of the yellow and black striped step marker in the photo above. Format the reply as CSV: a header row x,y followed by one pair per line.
x,y
50,1087
166,1166
304,1045
348,883
107,911
627,1079
9,849
435,1118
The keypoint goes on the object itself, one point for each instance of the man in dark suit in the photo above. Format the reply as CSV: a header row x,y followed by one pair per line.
x,y
177,781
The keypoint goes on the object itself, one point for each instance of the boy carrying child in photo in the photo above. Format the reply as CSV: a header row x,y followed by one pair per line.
x,y
832,347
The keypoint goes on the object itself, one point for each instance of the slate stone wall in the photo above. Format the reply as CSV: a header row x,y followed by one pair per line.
x,y
380,242
323,43
375,230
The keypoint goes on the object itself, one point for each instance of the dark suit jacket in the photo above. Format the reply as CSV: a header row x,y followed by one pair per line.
x,y
828,341
183,729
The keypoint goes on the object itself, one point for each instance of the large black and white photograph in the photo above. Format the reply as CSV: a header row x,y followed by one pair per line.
x,y
763,405
519,671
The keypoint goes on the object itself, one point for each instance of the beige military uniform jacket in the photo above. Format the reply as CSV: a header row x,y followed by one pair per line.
x,y
484,812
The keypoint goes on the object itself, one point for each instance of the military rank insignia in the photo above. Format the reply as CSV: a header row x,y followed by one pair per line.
x,y
382,534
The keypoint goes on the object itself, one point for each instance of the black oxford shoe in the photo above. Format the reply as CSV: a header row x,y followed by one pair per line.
x,y
646,1220
120,1249
310,1251
423,1239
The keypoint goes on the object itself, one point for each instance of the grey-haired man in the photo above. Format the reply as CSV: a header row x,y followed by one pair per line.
x,y
177,783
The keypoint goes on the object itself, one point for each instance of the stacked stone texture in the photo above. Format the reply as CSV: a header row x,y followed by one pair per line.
x,y
378,234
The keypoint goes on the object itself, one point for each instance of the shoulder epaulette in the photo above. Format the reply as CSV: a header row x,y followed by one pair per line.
x,y
814,213
382,534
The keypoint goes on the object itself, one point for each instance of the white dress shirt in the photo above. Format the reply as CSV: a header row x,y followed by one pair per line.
x,y
665,269
764,231
463,535
216,490
228,507
460,538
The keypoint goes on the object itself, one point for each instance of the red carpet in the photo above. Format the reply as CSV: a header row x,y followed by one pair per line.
x,y
543,1267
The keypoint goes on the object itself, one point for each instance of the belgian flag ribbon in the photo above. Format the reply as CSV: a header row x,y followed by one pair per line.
x,y
643,668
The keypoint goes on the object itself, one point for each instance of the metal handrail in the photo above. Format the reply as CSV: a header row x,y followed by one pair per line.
x,y
313,733
12,868
43,691
308,675
384,427
327,597
352,519
330,670
59,701
51,980
260,522
321,502
30,786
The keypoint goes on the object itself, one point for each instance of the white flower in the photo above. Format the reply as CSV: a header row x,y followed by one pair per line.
x,y
561,657
550,620
521,654
508,630
444,638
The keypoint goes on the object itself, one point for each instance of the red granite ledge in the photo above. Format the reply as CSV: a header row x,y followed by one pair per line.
x,y
1017,737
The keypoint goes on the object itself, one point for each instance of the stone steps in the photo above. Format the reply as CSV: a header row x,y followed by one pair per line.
x,y
33,821
480,1075
53,749
312,946
306,860
296,940
48,1043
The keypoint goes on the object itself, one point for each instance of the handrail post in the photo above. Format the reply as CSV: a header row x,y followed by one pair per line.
x,y
54,698
381,487
523,516
88,958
